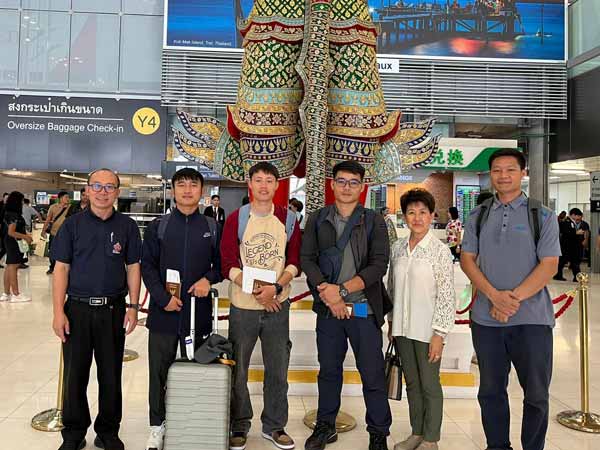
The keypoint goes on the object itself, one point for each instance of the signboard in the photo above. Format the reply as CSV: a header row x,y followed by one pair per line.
x,y
467,154
464,29
466,200
81,134
594,185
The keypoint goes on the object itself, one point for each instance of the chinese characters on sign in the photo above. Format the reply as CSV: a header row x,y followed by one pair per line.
x,y
454,159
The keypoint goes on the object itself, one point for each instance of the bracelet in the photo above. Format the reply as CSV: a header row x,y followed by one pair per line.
x,y
135,306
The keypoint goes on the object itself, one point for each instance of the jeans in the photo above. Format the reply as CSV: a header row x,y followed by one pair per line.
x,y
529,348
366,340
245,328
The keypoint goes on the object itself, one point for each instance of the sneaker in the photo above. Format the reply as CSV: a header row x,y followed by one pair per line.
x,y
72,445
156,438
4,297
281,439
237,441
21,298
323,434
377,441
409,444
23,266
109,443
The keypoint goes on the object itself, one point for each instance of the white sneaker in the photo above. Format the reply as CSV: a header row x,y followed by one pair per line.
x,y
156,438
4,297
21,298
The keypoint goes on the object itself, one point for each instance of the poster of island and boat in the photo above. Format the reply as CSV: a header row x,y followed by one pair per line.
x,y
491,29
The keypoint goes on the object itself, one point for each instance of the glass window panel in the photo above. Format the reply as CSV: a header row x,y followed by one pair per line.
x,y
94,52
9,47
152,7
10,3
141,48
44,54
47,5
584,33
106,6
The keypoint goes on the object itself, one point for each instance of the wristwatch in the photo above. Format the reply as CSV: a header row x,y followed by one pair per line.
x,y
343,292
135,306
278,288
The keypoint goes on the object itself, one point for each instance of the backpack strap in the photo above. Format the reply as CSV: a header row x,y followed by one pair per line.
x,y
534,208
163,222
290,223
243,217
483,215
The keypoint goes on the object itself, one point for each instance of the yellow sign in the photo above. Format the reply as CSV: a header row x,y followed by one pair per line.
x,y
146,121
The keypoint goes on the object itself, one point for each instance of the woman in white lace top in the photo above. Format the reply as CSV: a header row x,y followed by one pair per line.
x,y
421,285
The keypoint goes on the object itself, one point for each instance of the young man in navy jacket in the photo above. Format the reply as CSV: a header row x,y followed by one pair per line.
x,y
186,243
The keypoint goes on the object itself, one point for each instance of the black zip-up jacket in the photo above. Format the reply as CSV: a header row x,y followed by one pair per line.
x,y
187,248
371,254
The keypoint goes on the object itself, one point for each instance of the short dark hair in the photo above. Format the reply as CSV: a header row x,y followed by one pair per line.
x,y
187,173
482,197
518,155
26,201
575,212
453,211
104,169
61,194
82,190
14,202
215,196
350,167
265,167
417,195
297,204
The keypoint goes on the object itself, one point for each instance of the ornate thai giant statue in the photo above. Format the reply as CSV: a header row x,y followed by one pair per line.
x,y
309,96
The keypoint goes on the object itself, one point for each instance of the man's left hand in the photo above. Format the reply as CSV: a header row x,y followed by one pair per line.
x,y
329,293
265,294
200,288
130,322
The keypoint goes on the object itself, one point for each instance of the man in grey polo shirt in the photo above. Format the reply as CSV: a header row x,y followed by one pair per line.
x,y
513,317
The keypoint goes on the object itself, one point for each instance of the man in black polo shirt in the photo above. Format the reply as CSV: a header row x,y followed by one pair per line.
x,y
185,243
97,255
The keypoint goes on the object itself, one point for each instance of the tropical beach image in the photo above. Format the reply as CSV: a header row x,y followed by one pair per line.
x,y
513,29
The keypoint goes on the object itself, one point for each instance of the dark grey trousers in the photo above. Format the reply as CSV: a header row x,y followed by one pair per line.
x,y
273,329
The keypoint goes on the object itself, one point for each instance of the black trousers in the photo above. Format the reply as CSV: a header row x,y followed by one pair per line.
x,y
529,349
574,260
366,340
94,331
52,262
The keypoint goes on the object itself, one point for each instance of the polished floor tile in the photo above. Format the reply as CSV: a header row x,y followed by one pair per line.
x,y
29,361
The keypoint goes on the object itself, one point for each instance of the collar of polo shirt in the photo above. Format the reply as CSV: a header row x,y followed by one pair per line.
x,y
514,204
91,213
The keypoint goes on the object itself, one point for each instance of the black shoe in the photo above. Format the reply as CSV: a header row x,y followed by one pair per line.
x,y
23,266
559,278
49,272
72,445
377,441
109,443
323,434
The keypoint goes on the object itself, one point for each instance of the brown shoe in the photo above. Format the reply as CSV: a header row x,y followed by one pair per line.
x,y
281,439
237,441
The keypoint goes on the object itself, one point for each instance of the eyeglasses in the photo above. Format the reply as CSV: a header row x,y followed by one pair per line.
x,y
342,182
108,188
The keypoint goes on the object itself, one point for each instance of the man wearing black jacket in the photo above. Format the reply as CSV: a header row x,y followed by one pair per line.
x,y
350,302
215,211
187,247
572,242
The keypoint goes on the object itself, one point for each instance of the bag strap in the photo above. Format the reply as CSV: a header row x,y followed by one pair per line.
x,y
64,210
163,222
352,222
483,215
244,217
534,207
290,223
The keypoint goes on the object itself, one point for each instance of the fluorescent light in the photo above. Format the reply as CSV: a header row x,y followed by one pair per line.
x,y
154,176
569,171
72,177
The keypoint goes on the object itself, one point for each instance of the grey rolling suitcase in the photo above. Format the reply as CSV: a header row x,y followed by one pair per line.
x,y
197,400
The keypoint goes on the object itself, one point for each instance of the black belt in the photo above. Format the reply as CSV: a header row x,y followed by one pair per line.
x,y
98,301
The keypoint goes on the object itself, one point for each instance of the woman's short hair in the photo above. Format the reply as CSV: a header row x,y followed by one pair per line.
x,y
14,202
453,211
417,195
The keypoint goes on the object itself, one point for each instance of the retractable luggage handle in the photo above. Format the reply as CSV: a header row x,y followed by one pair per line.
x,y
214,294
190,341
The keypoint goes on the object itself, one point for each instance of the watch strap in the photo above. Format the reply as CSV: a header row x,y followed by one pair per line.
x,y
135,306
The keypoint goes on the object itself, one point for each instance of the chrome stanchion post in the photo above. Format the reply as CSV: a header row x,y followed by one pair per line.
x,y
51,419
582,420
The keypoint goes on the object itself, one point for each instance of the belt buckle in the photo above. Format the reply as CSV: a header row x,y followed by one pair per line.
x,y
97,301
